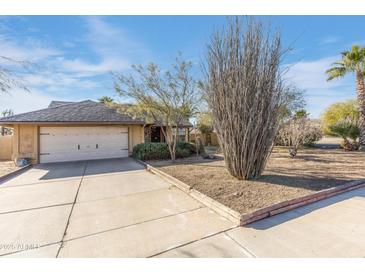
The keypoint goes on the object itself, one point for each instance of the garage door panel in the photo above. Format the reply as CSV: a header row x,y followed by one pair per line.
x,y
59,144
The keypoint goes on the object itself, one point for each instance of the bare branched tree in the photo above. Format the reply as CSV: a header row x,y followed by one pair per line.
x,y
5,130
297,132
244,90
165,98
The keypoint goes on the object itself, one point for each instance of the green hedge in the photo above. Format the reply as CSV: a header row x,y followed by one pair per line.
x,y
160,151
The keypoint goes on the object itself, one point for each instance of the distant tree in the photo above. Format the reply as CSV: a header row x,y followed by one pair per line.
x,y
292,102
337,113
302,113
353,62
6,113
164,97
106,100
244,89
205,122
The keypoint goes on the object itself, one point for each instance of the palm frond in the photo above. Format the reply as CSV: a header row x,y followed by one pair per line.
x,y
335,72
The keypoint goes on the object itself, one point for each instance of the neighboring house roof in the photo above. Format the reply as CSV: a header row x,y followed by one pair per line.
x,y
58,103
184,123
88,112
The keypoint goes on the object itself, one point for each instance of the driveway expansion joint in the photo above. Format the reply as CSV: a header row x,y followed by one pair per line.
x,y
42,183
246,250
34,208
73,205
191,242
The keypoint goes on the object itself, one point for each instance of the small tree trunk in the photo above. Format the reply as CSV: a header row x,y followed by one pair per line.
x,y
173,154
293,151
170,140
196,142
361,101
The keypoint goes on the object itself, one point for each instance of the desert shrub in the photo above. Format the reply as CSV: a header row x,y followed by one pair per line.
x,y
160,151
298,132
245,93
314,135
310,135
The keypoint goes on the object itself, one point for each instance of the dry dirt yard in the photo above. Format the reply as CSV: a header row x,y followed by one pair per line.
x,y
284,178
7,167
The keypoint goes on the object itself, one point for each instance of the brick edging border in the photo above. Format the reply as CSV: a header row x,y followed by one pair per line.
x,y
244,219
300,201
14,173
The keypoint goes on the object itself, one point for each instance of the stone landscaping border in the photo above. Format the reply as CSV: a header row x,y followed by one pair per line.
x,y
244,219
14,173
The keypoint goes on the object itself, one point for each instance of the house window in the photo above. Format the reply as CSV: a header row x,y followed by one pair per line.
x,y
181,134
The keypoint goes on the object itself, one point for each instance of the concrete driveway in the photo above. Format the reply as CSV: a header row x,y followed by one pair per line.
x,y
114,208
102,208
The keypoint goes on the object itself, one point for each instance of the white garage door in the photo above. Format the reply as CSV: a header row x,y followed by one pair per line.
x,y
60,144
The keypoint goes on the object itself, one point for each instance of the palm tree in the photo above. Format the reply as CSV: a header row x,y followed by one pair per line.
x,y
353,61
106,100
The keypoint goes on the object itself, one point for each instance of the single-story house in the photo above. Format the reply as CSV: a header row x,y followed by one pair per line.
x,y
71,131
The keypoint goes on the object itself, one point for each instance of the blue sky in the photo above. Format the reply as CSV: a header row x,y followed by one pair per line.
x,y
75,54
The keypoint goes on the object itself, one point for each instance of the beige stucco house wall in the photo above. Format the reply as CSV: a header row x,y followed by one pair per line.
x,y
135,136
26,139
6,147
25,142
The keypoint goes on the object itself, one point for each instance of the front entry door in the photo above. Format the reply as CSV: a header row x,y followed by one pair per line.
x,y
155,134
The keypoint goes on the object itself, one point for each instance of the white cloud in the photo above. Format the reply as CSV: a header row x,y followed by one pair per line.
x,y
329,40
86,68
312,74
28,50
112,42
55,81
56,74
22,101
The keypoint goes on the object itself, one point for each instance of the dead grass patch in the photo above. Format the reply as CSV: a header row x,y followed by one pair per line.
x,y
6,167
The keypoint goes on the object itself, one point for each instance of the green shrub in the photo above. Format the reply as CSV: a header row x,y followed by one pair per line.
x,y
187,146
346,129
160,151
